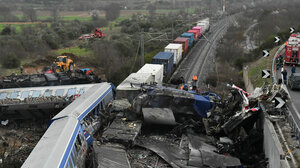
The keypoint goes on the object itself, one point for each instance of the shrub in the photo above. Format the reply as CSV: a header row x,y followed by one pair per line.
x,y
10,60
212,80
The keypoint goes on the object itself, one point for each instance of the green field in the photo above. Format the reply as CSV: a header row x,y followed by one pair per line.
x,y
66,18
16,26
82,52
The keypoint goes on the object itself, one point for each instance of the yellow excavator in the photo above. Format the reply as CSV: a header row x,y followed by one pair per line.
x,y
63,64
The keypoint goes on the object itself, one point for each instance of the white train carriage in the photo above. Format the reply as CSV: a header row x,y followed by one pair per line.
x,y
66,141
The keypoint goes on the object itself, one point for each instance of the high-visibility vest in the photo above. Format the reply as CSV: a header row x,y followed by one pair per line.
x,y
195,78
181,87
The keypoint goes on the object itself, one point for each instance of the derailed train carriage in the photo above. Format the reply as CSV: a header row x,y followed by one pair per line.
x,y
66,141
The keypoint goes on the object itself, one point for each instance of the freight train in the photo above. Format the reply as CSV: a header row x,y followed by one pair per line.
x,y
67,140
168,61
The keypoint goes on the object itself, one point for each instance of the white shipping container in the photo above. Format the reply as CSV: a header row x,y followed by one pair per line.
x,y
156,70
133,81
176,49
204,24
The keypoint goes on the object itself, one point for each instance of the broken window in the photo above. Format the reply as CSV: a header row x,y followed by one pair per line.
x,y
14,95
81,91
3,95
25,94
48,93
36,93
59,92
71,92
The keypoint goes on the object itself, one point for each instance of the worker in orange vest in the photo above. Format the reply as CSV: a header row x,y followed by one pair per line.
x,y
181,87
194,83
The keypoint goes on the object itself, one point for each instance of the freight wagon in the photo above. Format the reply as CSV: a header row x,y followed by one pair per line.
x,y
172,56
196,34
204,24
167,60
190,36
184,42
199,29
176,49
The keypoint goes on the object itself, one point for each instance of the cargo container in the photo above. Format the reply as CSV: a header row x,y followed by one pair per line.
x,y
195,32
167,59
199,29
190,36
204,24
184,42
156,70
177,50
133,81
131,86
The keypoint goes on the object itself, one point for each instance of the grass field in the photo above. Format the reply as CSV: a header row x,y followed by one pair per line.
x,y
255,69
16,26
82,52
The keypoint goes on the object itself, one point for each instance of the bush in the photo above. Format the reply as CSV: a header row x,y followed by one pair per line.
x,y
6,31
10,60
239,62
212,80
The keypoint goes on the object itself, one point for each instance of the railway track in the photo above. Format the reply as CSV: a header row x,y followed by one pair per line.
x,y
195,61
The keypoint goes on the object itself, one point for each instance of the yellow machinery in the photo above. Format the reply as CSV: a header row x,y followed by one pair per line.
x,y
62,64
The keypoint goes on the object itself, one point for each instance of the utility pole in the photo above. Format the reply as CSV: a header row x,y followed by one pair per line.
x,y
142,47
152,37
224,5
173,8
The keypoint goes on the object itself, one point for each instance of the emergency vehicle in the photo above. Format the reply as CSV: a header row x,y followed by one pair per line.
x,y
292,47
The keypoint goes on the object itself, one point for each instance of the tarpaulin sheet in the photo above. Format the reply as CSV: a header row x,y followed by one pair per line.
x,y
202,105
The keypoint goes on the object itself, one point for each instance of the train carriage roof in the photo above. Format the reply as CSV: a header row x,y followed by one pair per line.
x,y
82,105
57,140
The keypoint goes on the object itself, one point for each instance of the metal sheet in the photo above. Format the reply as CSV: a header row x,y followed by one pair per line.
x,y
111,156
122,131
202,154
175,156
163,116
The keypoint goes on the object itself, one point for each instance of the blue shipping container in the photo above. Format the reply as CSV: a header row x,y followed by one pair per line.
x,y
190,36
165,58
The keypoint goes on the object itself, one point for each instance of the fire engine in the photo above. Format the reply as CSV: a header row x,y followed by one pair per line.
x,y
292,47
97,34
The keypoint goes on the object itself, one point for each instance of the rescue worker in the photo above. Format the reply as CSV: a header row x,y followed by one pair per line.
x,y
21,69
277,63
280,60
194,83
181,87
284,73
186,87
293,70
